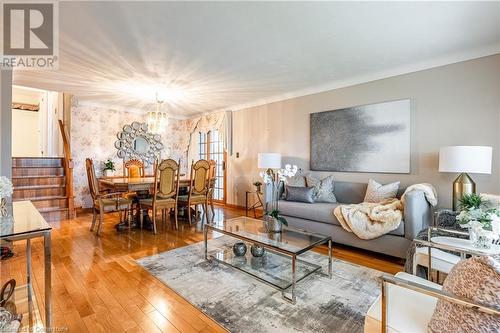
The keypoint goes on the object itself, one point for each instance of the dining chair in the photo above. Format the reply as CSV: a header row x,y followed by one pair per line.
x,y
103,203
165,191
212,178
133,168
198,190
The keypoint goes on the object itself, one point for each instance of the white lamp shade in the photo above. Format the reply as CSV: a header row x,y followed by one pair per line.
x,y
269,161
473,159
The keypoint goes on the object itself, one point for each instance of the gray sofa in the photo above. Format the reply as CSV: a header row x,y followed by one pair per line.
x,y
318,217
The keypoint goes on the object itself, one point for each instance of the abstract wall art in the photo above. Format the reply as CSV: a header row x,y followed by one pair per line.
x,y
367,138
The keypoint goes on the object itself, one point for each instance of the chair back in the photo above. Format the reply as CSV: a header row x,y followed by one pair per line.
x,y
212,178
167,178
92,179
133,168
199,177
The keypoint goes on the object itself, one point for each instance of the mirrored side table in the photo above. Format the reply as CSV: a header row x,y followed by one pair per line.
x,y
445,247
25,223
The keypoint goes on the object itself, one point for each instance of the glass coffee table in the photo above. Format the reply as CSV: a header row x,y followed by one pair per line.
x,y
280,266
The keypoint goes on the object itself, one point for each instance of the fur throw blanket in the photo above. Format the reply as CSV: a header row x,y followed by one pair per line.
x,y
371,220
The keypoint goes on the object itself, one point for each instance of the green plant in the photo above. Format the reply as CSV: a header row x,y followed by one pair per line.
x,y
276,214
109,165
471,201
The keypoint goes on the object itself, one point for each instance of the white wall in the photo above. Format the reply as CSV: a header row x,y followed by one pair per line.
x,y
457,104
26,133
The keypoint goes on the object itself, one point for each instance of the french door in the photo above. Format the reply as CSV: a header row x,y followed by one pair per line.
x,y
211,147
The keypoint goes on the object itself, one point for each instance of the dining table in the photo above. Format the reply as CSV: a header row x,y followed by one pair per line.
x,y
141,185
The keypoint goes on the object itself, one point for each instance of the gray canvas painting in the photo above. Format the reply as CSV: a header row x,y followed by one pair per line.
x,y
368,138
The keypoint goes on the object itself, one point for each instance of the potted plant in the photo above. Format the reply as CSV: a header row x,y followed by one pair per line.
x,y
273,221
6,191
483,222
258,186
109,166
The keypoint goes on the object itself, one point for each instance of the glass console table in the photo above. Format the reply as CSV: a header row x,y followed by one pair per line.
x,y
24,223
280,267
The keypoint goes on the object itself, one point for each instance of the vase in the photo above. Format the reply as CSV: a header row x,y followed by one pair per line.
x,y
480,238
239,249
257,250
3,207
272,225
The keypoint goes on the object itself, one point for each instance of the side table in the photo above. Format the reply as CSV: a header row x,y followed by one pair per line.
x,y
26,223
255,205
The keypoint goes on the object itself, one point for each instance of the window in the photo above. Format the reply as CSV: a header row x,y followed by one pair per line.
x,y
211,147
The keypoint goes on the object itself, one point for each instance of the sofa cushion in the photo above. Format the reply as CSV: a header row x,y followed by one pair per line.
x,y
320,212
349,193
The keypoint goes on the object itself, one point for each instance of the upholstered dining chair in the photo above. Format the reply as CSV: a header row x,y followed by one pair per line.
x,y
212,178
198,191
165,192
103,203
133,168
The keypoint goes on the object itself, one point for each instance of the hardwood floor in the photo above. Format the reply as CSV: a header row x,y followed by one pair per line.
x,y
98,287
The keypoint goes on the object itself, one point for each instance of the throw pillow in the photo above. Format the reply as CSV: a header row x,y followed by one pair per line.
x,y
300,194
323,189
376,192
297,180
476,279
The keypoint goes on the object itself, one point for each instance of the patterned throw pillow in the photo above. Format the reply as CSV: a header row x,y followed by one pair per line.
x,y
376,192
478,280
323,189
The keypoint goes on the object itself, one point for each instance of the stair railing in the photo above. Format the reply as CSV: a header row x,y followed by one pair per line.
x,y
68,170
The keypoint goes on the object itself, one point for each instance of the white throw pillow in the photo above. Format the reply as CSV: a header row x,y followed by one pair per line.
x,y
376,192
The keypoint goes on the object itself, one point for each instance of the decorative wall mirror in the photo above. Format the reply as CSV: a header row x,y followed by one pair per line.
x,y
135,141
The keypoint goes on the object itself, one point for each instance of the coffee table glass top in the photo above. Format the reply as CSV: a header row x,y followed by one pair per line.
x,y
291,240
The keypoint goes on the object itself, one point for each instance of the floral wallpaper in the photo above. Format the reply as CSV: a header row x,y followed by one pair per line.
x,y
93,134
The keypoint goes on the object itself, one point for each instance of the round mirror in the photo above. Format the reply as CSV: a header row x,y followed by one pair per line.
x,y
140,145
121,154
136,125
127,129
144,127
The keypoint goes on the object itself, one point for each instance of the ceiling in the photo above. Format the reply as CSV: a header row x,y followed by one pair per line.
x,y
207,56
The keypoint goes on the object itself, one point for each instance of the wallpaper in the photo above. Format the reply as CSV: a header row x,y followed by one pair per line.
x,y
93,134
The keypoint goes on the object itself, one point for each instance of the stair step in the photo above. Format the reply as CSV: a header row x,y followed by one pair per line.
x,y
38,181
38,192
36,162
48,202
36,187
53,215
37,172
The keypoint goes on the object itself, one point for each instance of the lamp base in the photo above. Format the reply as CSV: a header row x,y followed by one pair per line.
x,y
462,185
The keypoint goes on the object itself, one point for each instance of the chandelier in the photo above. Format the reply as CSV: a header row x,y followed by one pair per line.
x,y
157,120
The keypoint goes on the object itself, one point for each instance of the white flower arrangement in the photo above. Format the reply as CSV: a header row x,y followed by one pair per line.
x,y
6,188
482,221
288,172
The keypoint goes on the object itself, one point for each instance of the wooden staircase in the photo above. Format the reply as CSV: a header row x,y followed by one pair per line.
x,y
43,181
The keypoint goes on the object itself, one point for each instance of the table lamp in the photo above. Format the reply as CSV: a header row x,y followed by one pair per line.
x,y
463,160
269,161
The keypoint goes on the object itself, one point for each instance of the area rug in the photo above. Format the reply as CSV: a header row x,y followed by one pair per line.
x,y
241,303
